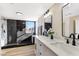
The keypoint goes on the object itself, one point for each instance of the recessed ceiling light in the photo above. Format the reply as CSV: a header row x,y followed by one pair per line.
x,y
19,13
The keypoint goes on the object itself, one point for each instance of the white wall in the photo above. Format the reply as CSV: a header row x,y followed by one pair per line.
x,y
3,36
77,24
57,18
37,27
56,13
41,23
66,28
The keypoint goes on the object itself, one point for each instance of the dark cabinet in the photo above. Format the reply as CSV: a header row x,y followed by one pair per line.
x,y
11,32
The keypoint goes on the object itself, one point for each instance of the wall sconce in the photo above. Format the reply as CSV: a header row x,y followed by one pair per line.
x,y
47,15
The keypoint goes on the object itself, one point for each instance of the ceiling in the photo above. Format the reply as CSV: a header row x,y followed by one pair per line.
x,y
72,9
28,10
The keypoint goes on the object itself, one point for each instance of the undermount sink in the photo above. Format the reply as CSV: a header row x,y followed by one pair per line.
x,y
51,41
55,43
65,48
62,46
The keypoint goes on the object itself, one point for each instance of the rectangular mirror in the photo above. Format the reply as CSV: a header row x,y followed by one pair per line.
x,y
70,19
48,22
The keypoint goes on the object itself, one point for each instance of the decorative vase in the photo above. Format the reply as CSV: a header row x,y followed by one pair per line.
x,y
51,36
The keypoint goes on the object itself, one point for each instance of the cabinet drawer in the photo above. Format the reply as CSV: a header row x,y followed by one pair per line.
x,y
43,50
48,52
38,47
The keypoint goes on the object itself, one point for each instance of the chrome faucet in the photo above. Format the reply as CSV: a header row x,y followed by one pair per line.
x,y
73,42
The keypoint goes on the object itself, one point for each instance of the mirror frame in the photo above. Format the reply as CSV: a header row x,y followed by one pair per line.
x,y
62,18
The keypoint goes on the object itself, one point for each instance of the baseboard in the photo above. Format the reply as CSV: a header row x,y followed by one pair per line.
x,y
15,45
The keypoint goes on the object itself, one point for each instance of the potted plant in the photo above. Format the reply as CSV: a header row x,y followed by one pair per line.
x,y
50,33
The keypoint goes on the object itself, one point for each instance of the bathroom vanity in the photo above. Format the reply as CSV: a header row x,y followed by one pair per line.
x,y
54,47
42,49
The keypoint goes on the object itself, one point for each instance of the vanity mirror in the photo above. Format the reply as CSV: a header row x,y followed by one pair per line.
x,y
70,19
48,22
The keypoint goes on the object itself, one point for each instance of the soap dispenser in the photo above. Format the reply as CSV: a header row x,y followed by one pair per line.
x,y
78,36
67,41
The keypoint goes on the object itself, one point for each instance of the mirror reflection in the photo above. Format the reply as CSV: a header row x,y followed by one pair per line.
x,y
47,24
70,19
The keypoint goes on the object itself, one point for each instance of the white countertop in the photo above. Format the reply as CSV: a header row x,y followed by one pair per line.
x,y
59,46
